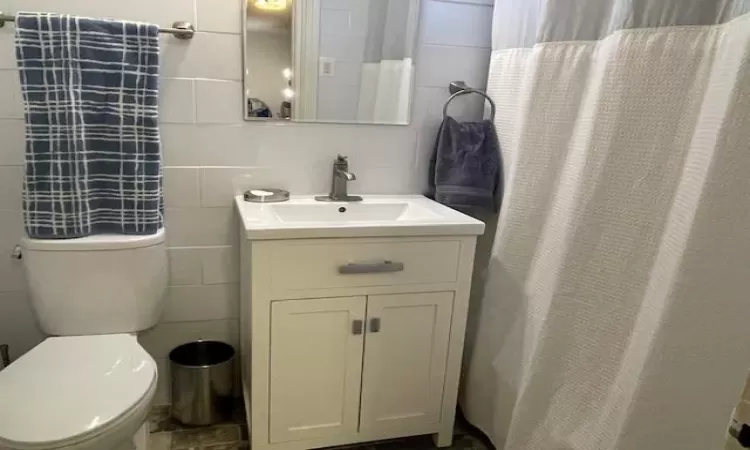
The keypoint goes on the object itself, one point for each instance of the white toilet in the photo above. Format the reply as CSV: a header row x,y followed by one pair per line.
x,y
89,388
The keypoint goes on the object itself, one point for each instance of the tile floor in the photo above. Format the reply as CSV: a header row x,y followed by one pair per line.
x,y
168,434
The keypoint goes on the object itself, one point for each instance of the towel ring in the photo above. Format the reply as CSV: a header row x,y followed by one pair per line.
x,y
459,88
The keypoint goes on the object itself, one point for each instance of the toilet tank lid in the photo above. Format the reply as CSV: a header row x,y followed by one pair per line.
x,y
96,242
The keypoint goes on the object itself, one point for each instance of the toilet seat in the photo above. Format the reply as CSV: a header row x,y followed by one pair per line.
x,y
71,389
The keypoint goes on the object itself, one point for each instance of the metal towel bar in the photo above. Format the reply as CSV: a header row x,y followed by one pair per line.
x,y
180,30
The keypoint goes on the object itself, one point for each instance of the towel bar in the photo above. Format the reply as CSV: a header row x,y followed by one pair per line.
x,y
459,88
180,30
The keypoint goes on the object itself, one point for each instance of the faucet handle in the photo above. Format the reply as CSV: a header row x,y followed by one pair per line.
x,y
341,159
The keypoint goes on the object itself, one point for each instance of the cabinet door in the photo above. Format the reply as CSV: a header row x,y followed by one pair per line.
x,y
316,367
406,347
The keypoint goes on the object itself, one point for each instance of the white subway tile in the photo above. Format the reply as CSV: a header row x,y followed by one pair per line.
x,y
18,327
185,266
379,180
438,65
347,74
11,227
162,13
181,146
295,179
221,16
13,133
252,178
163,393
475,2
11,105
195,303
12,276
177,101
218,101
316,145
208,55
160,340
340,103
305,180
221,265
11,270
184,145
344,23
461,24
181,187
190,227
219,185
11,186
211,145
344,4
350,49
7,51
335,21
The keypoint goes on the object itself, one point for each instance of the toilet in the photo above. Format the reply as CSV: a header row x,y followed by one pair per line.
x,y
90,385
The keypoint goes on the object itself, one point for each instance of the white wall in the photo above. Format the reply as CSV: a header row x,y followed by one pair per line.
x,y
206,143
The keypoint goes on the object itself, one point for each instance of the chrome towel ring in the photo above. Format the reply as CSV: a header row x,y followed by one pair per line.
x,y
459,88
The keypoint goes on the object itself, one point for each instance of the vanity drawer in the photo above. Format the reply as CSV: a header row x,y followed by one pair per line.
x,y
340,264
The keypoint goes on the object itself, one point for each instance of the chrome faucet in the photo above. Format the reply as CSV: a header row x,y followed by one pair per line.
x,y
339,183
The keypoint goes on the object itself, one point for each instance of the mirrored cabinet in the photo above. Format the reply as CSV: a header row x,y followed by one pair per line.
x,y
348,61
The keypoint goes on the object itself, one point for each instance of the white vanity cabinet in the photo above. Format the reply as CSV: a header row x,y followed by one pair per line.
x,y
352,319
353,340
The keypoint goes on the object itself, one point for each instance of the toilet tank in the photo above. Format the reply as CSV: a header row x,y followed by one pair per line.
x,y
101,284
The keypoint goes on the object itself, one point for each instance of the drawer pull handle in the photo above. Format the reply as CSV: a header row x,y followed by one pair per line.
x,y
375,325
357,327
379,267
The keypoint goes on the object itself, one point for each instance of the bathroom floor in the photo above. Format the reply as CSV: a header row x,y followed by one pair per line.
x,y
168,434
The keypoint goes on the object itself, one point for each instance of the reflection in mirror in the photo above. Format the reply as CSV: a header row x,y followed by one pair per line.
x,y
330,60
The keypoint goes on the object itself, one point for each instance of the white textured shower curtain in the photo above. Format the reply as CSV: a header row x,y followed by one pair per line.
x,y
616,305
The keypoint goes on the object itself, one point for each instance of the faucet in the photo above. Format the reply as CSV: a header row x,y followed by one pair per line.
x,y
339,183
4,356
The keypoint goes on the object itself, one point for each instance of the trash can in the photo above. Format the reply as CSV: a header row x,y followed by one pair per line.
x,y
202,379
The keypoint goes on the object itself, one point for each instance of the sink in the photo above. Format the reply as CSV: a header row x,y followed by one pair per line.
x,y
303,217
344,213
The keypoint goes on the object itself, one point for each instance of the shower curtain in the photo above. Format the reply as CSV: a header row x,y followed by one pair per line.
x,y
614,312
385,91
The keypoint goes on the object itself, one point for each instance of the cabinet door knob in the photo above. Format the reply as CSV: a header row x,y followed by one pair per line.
x,y
375,325
357,327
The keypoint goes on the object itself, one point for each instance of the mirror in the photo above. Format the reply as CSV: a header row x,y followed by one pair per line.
x,y
348,61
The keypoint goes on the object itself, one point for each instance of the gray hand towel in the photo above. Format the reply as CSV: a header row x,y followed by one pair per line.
x,y
465,169
93,153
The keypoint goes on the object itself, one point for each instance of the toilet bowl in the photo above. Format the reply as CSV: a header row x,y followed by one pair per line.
x,y
91,386
83,393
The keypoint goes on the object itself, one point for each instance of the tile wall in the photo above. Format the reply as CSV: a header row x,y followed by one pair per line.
x,y
206,144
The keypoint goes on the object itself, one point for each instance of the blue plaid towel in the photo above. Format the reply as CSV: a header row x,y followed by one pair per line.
x,y
93,151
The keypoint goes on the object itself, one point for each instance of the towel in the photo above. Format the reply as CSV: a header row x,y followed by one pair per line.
x,y
465,169
93,153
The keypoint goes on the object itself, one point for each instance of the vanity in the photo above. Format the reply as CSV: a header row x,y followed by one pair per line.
x,y
352,319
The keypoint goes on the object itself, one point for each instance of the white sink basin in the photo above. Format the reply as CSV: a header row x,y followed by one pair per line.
x,y
304,217
344,213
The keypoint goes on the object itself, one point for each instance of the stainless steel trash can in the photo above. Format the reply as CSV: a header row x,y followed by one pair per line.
x,y
202,379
